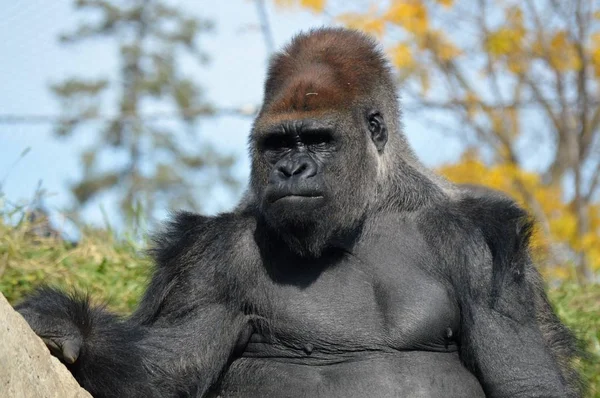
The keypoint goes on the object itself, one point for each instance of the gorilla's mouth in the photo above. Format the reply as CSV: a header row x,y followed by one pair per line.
x,y
286,194
298,198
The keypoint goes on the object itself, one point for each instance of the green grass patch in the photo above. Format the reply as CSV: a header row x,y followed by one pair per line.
x,y
114,271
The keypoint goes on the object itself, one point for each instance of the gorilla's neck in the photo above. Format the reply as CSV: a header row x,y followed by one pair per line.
x,y
406,184
308,241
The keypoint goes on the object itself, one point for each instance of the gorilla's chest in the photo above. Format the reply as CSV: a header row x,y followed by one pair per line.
x,y
382,296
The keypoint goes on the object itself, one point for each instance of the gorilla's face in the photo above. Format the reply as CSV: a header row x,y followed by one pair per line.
x,y
314,176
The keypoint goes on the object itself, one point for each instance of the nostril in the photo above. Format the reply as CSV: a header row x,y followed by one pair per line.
x,y
299,169
296,169
284,172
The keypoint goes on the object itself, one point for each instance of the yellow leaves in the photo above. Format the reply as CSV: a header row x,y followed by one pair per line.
x,y
447,51
402,56
410,14
562,53
595,53
517,64
564,227
371,24
284,3
508,39
440,46
504,122
508,42
314,5
470,169
558,50
557,272
446,3
504,41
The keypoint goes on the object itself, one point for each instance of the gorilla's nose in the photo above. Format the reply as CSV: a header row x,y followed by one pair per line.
x,y
297,168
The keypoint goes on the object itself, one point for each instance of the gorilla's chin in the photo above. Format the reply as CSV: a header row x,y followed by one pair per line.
x,y
312,233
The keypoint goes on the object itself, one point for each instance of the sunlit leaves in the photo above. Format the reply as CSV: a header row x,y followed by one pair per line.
x,y
370,23
313,5
503,41
595,53
446,3
440,45
562,53
507,40
411,15
402,56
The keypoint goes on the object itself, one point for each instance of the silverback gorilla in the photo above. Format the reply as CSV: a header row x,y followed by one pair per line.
x,y
348,269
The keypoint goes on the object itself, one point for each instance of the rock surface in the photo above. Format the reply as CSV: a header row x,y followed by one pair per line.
x,y
27,369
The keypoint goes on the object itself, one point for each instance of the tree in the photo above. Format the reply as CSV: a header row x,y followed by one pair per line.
x,y
157,165
518,77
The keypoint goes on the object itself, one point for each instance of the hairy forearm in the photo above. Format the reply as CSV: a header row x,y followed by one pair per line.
x,y
121,358
101,351
511,358
111,362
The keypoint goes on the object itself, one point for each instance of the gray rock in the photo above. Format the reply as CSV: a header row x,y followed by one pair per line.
x,y
27,370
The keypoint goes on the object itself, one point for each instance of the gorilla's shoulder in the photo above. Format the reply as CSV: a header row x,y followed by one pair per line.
x,y
479,218
500,222
190,235
494,213
480,207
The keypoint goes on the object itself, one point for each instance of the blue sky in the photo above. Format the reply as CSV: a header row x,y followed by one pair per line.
x,y
31,58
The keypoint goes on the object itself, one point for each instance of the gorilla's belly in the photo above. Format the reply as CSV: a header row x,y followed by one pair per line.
x,y
416,374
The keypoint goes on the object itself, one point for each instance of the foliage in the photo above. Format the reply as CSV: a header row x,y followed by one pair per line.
x,y
314,5
521,80
153,164
117,270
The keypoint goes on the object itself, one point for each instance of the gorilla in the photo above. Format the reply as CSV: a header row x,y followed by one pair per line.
x,y
347,270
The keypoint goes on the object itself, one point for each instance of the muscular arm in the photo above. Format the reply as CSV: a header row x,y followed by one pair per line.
x,y
502,340
178,341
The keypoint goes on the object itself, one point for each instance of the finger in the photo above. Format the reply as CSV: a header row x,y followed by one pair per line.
x,y
70,351
53,346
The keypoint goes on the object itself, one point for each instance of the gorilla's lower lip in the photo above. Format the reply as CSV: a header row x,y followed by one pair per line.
x,y
299,197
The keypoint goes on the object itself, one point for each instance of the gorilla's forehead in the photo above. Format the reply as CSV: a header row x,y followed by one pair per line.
x,y
314,119
315,87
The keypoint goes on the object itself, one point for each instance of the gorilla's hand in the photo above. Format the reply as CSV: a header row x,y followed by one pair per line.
x,y
50,314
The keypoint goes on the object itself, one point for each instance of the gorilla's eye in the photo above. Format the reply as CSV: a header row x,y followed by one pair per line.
x,y
277,142
316,138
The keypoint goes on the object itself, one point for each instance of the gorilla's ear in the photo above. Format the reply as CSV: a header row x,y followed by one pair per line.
x,y
378,129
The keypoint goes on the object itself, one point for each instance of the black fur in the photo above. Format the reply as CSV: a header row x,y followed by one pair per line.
x,y
348,269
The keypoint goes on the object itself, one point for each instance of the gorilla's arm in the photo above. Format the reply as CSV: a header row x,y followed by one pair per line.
x,y
502,334
177,342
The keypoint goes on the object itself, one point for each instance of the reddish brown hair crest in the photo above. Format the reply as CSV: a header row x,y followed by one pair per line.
x,y
324,69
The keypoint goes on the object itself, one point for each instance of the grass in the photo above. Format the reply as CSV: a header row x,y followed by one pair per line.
x,y
117,270
113,270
